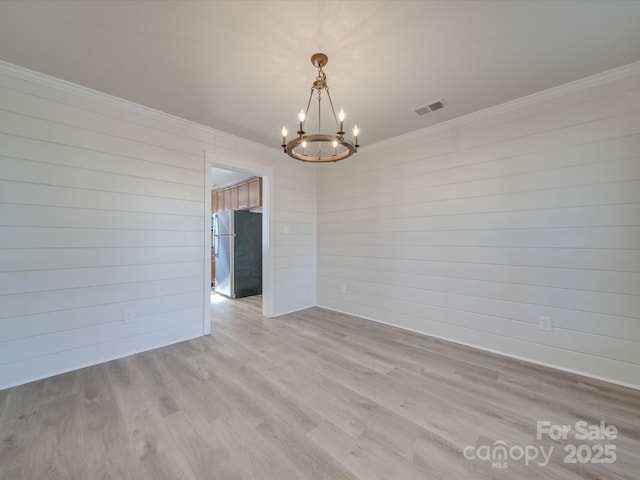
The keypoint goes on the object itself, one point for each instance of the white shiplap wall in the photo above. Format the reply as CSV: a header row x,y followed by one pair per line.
x,y
103,210
295,237
472,231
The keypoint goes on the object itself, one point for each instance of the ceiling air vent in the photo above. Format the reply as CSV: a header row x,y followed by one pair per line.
x,y
430,107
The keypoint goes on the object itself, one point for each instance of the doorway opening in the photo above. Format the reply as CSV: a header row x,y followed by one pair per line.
x,y
242,195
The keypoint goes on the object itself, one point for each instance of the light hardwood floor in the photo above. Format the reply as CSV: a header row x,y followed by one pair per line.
x,y
314,394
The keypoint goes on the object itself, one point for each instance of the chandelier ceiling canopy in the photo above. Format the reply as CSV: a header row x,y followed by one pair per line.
x,y
320,147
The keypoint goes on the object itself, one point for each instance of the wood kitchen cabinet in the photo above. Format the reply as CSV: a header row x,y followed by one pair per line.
x,y
255,192
243,196
220,201
214,202
227,199
234,198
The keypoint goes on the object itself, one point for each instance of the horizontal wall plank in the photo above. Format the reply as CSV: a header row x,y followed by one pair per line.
x,y
13,192
56,300
77,114
583,259
33,237
289,217
625,237
612,193
294,261
76,318
297,228
62,279
52,343
286,239
20,125
297,250
78,217
619,170
588,301
19,259
424,172
19,170
86,158
589,280
579,216
121,111
297,272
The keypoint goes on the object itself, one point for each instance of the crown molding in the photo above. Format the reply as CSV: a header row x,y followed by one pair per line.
x,y
187,128
602,78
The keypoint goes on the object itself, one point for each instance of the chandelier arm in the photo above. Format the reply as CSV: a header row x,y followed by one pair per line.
x,y
335,117
319,122
306,112
319,113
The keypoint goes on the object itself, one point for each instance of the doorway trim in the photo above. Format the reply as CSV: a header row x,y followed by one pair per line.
x,y
210,160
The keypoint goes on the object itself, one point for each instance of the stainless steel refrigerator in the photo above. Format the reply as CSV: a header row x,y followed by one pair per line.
x,y
237,247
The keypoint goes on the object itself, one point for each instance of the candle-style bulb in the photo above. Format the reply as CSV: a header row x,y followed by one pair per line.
x,y
334,143
304,144
355,131
341,115
284,131
301,115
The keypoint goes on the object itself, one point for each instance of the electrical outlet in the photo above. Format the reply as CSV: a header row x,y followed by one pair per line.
x,y
343,288
545,323
128,316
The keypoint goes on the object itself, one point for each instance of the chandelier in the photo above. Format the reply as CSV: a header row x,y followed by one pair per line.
x,y
320,147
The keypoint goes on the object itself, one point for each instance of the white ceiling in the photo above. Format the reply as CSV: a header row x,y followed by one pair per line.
x,y
243,66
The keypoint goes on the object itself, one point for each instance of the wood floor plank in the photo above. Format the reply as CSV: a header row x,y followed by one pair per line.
x,y
108,448
314,462
260,459
155,449
60,437
308,395
330,400
19,436
203,455
157,383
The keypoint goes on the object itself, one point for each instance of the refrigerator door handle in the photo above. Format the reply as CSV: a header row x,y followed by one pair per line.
x,y
216,236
